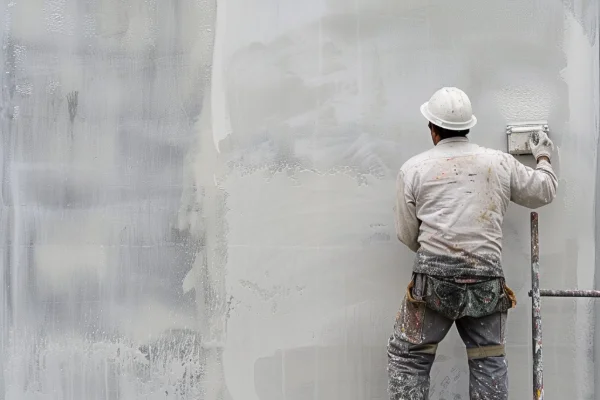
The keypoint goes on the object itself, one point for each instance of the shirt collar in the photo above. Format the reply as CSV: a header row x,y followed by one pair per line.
x,y
454,139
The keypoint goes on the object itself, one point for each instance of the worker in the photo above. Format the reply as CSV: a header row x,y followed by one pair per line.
x,y
450,203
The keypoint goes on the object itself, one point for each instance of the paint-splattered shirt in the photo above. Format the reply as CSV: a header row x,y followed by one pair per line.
x,y
451,202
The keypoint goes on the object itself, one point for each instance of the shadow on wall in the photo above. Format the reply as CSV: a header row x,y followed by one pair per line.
x,y
285,375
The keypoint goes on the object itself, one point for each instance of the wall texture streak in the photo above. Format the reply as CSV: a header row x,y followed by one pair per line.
x,y
197,194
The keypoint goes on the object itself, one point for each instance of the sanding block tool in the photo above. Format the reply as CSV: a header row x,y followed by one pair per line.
x,y
518,134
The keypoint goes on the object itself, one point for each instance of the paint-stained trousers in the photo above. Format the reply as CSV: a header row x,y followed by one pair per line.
x,y
412,347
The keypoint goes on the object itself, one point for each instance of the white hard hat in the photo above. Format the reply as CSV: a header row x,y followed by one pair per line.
x,y
450,108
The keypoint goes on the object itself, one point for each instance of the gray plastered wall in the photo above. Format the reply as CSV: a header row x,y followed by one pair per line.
x,y
197,196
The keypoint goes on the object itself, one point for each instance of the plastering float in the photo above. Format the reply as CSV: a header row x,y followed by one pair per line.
x,y
518,134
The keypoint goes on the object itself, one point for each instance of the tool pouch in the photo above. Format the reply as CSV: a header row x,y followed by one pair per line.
x,y
419,283
456,300
411,316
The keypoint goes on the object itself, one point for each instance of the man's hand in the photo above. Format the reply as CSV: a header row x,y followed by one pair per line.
x,y
541,146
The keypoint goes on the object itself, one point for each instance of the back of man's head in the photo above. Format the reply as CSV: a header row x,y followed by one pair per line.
x,y
444,133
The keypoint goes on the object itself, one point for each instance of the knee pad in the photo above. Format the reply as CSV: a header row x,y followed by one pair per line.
x,y
404,349
424,349
486,351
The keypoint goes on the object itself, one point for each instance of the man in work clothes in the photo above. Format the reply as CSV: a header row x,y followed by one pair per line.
x,y
450,204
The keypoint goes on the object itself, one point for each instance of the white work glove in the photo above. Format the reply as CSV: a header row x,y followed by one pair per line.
x,y
541,145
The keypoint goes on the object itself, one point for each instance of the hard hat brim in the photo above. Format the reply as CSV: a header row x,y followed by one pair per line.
x,y
453,126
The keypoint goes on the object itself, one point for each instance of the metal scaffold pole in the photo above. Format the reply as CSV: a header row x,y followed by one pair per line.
x,y
536,315
536,295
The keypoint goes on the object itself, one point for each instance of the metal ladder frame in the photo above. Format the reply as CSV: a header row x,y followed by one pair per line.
x,y
536,315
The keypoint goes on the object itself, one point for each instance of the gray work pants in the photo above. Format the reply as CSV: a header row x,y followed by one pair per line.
x,y
412,346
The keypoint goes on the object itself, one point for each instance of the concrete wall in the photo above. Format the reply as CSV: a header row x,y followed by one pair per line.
x,y
197,199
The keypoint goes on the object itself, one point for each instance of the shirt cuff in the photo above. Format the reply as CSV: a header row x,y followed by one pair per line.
x,y
545,164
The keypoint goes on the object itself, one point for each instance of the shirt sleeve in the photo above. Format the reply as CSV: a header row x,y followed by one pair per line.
x,y
407,223
530,187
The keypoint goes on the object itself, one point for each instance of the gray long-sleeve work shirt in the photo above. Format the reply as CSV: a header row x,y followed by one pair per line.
x,y
451,202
